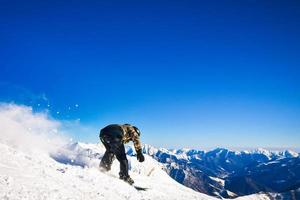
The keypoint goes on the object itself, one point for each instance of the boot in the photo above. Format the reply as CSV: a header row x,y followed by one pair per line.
x,y
127,179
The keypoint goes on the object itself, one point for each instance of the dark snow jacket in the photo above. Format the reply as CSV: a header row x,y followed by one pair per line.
x,y
122,133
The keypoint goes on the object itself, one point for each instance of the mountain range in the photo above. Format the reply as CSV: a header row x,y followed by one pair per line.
x,y
228,174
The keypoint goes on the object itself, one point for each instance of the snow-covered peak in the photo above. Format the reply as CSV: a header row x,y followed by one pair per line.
x,y
291,154
150,150
183,150
262,151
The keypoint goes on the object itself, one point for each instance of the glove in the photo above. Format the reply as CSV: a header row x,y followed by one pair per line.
x,y
140,156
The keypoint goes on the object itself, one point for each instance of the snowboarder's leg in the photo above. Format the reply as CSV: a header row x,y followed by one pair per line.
x,y
108,156
107,160
121,156
123,165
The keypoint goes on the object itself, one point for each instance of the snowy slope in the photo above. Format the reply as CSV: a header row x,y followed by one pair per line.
x,y
36,175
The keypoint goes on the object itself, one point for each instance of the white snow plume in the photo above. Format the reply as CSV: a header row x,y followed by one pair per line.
x,y
21,128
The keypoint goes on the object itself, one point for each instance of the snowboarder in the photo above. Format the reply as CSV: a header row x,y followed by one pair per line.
x,y
114,137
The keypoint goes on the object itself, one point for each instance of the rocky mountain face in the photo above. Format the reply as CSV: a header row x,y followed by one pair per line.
x,y
228,174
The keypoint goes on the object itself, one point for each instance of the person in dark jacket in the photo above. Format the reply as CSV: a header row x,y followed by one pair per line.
x,y
114,137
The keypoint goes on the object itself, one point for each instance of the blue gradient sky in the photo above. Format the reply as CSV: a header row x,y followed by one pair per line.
x,y
188,73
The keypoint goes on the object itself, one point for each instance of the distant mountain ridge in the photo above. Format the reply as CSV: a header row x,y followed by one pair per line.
x,y
226,173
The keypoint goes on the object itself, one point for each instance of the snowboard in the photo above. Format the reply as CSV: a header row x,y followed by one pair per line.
x,y
140,188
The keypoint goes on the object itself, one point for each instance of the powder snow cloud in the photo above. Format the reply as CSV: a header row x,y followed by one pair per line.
x,y
22,128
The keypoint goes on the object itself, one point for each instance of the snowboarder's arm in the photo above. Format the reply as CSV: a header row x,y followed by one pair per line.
x,y
136,142
138,148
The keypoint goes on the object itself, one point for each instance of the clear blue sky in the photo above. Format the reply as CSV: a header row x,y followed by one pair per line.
x,y
188,73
